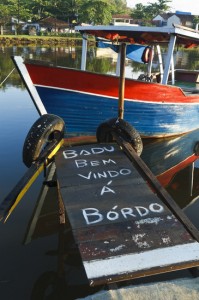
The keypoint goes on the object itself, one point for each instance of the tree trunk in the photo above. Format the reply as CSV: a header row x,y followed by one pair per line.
x,y
1,29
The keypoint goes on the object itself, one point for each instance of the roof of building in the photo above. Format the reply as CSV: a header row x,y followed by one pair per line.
x,y
121,16
184,17
50,21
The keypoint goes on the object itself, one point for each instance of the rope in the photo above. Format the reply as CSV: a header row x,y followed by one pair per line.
x,y
6,77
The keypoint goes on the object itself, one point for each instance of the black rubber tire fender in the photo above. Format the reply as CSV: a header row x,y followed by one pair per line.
x,y
46,128
122,128
103,133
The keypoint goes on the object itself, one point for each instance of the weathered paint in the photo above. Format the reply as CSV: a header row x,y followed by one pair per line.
x,y
84,100
142,261
166,157
116,219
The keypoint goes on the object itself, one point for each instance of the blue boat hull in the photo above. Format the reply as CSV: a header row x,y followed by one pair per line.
x,y
83,113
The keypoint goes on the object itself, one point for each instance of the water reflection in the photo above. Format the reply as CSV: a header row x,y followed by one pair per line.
x,y
97,61
174,162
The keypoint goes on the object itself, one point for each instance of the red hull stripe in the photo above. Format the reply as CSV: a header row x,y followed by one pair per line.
x,y
106,85
167,176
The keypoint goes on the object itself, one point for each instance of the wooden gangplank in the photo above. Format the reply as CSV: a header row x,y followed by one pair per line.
x,y
123,227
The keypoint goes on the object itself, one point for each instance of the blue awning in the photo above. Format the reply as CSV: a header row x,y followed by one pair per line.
x,y
133,52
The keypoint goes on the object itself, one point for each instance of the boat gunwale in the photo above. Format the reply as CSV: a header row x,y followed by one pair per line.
x,y
179,91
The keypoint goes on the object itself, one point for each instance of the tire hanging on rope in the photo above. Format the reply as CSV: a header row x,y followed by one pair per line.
x,y
123,129
47,129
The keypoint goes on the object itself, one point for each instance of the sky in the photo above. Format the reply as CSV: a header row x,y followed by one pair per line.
x,y
191,6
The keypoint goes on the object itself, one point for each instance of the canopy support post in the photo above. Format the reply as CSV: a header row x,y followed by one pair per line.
x,y
150,63
118,63
169,58
84,52
172,71
122,81
160,62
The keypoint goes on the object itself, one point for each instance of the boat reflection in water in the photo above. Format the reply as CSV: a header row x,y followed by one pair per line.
x,y
172,160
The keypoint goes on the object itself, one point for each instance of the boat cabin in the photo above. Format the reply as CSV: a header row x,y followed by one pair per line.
x,y
151,38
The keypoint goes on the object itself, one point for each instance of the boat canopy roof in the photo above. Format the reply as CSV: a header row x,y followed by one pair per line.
x,y
143,35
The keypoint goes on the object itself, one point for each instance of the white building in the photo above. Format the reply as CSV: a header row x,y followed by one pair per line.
x,y
174,18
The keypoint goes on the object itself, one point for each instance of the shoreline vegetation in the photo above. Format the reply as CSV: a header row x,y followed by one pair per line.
x,y
14,40
72,39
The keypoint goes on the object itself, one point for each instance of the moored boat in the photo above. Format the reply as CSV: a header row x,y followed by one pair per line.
x,y
166,157
154,108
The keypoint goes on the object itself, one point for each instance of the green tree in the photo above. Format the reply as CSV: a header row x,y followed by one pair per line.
x,y
161,6
196,22
88,11
148,12
15,9
4,16
120,7
139,12
39,9
96,11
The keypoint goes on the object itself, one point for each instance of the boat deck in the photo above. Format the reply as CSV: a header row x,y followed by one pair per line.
x,y
124,223
187,75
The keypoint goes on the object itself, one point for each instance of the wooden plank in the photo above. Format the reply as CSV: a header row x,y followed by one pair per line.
x,y
121,224
155,184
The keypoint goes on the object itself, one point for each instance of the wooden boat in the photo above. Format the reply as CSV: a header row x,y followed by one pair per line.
x,y
85,99
174,162
166,157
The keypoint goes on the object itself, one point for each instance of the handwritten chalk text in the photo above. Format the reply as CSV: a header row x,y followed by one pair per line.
x,y
69,153
81,163
105,174
93,215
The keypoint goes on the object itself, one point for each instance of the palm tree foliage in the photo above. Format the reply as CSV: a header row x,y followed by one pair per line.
x,y
147,12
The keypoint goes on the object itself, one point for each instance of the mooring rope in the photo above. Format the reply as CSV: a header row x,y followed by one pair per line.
x,y
6,77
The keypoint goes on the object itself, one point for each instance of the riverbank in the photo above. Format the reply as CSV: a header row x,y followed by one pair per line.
x,y
10,40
